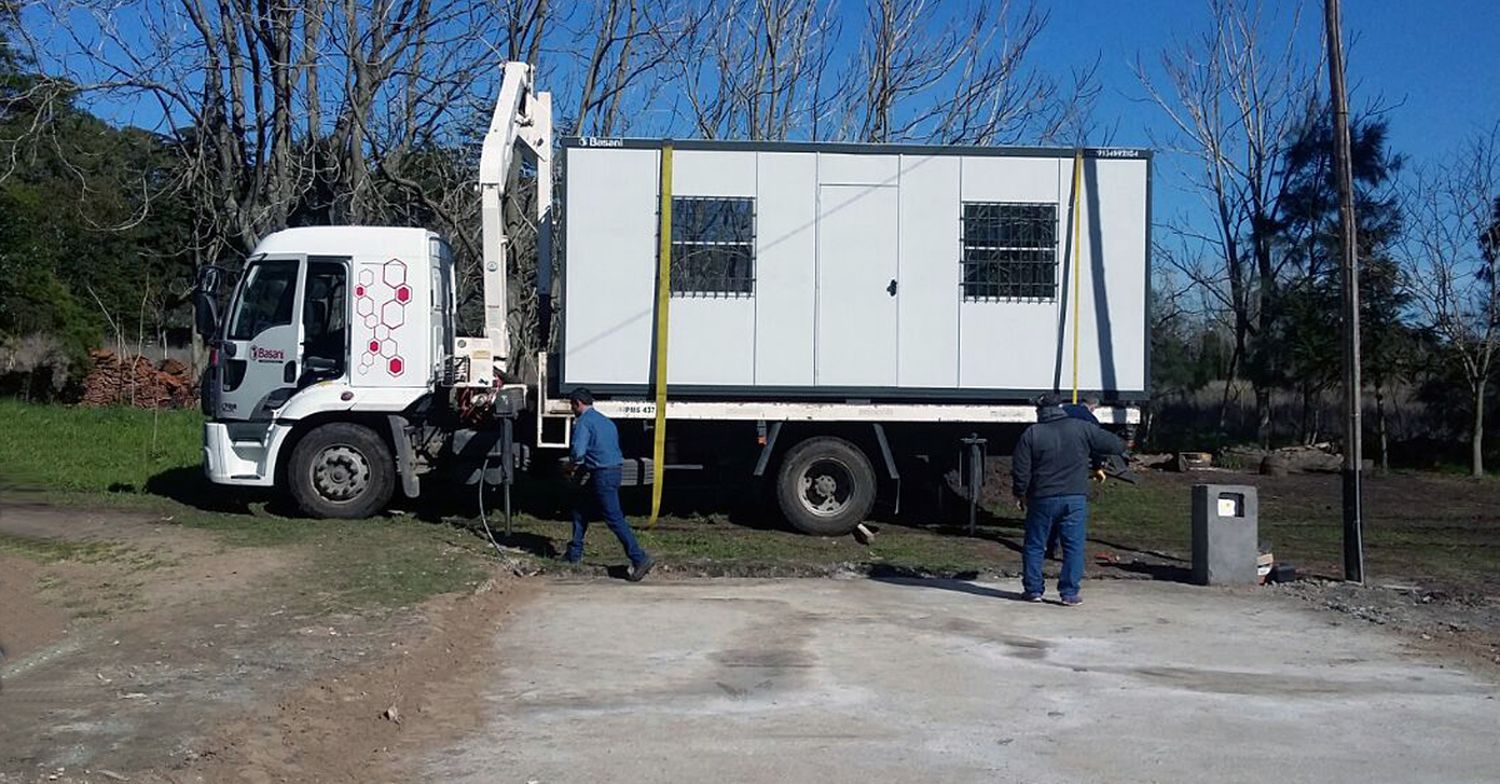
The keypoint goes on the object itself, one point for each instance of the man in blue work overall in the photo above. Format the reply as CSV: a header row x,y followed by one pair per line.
x,y
596,463
1050,478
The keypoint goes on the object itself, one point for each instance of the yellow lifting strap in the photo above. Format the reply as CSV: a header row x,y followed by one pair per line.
x,y
663,299
1077,254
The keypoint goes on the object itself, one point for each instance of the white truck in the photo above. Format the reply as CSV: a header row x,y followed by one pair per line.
x,y
835,317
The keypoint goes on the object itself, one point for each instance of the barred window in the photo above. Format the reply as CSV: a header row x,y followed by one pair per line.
x,y
713,247
1010,251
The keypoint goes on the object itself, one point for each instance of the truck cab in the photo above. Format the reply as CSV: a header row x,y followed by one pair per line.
x,y
329,323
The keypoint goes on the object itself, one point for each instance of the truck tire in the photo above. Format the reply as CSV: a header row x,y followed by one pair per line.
x,y
826,486
341,470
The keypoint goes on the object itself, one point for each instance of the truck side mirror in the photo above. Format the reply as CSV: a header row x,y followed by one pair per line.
x,y
205,313
206,301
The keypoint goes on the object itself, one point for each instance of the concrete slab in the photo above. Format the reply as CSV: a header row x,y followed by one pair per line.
x,y
860,681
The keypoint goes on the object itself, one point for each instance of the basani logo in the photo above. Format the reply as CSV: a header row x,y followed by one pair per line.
x,y
267,354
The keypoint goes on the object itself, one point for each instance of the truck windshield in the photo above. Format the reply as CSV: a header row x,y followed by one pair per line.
x,y
266,300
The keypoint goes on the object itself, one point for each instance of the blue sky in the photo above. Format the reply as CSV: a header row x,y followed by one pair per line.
x,y
1435,65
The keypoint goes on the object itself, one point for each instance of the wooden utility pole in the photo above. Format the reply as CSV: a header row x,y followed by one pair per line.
x,y
1354,549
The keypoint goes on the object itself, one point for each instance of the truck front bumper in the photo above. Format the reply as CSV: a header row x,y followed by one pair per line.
x,y
241,455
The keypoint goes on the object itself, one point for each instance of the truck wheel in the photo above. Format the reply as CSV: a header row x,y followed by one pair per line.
x,y
342,470
826,486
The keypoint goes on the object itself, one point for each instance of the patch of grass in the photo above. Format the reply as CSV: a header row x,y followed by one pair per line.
x,y
54,550
361,565
85,551
114,450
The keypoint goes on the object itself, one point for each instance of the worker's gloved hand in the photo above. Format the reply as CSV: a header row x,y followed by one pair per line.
x,y
1098,474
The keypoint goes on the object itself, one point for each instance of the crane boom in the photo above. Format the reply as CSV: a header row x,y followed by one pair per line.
x,y
522,120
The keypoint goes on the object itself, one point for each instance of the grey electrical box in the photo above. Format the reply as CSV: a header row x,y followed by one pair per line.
x,y
1225,534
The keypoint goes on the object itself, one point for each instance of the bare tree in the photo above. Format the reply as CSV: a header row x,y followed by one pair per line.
x,y
759,69
625,45
1453,266
525,28
287,111
957,73
290,113
1236,102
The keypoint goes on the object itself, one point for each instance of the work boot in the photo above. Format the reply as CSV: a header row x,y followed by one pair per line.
x,y
639,571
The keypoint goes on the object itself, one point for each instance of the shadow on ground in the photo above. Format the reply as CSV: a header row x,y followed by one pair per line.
x,y
1173,573
957,584
189,487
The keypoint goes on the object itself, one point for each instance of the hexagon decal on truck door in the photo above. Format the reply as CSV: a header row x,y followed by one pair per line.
x,y
393,314
381,299
394,272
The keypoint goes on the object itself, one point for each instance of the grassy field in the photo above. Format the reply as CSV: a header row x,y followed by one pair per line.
x,y
93,449
1419,526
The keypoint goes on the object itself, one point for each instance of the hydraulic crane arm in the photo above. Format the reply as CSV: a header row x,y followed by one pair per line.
x,y
522,121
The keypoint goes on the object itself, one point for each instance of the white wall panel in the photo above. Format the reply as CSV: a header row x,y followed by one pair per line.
x,y
929,272
713,173
846,169
1011,345
1112,283
1007,345
857,316
712,341
1011,179
786,241
611,265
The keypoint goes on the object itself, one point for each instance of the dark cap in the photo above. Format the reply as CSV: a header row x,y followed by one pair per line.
x,y
1049,400
581,395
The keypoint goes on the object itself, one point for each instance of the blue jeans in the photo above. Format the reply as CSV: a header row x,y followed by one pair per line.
x,y
601,496
1068,514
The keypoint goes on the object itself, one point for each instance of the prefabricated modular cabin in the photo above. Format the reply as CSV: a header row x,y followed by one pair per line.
x,y
841,272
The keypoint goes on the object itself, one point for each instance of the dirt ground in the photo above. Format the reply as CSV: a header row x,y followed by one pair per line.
x,y
138,649
134,648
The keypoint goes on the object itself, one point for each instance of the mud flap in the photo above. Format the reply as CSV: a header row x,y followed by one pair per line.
x,y
405,459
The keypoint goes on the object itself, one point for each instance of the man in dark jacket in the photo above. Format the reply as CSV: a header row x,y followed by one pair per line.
x,y
1050,478
1084,409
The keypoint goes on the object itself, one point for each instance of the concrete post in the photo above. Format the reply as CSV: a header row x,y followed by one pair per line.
x,y
1226,540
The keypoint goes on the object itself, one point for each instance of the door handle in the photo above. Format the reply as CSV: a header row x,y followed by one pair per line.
x,y
289,372
891,289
